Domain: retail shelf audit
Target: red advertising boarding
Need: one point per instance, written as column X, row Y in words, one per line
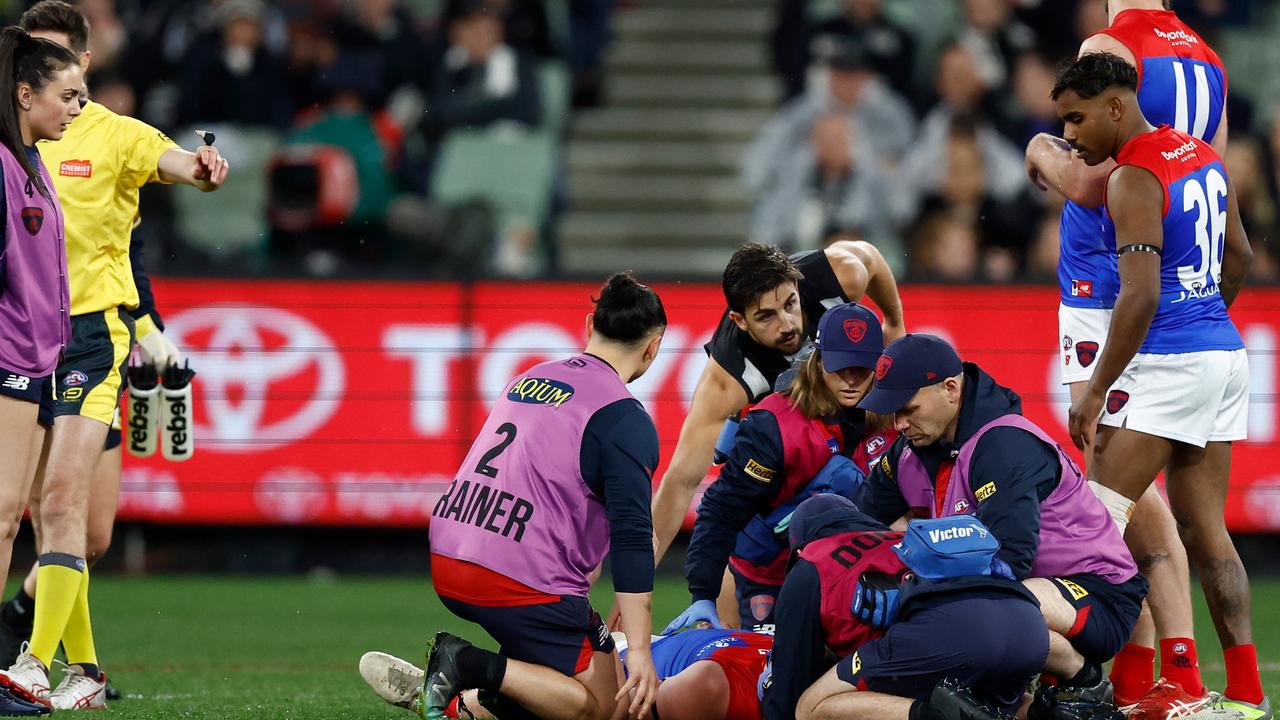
column 353, row 403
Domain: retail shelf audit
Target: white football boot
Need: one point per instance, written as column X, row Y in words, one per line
column 397, row 681
column 27, row 678
column 78, row 691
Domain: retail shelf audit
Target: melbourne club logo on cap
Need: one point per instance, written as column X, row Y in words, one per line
column 855, row 330
column 882, row 366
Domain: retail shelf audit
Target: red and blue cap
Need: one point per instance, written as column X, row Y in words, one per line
column 909, row 363
column 849, row 336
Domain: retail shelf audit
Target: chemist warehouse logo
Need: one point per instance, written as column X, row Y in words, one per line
column 540, row 391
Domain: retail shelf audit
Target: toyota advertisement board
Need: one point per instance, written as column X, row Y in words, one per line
column 345, row 403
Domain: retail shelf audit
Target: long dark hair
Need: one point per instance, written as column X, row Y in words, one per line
column 34, row 61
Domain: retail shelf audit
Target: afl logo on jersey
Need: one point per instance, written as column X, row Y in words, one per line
column 32, row 219
column 540, row 391
column 875, row 445
column 855, row 330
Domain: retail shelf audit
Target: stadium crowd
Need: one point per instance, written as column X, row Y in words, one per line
column 869, row 106
column 918, row 147
column 380, row 84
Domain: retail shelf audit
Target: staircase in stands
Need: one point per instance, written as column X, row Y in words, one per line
column 653, row 175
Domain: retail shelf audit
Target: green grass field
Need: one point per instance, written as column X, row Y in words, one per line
column 232, row 648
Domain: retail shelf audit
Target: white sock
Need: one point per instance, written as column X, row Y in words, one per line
column 1120, row 507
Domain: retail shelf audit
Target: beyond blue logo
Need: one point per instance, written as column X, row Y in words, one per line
column 540, row 391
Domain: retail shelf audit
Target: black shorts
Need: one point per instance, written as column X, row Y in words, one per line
column 755, row 602
column 114, row 436
column 1105, row 613
column 993, row 642
column 38, row 390
column 90, row 379
column 560, row 635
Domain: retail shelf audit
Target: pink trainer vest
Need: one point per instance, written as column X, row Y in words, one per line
column 35, row 321
column 519, row 505
column 1077, row 534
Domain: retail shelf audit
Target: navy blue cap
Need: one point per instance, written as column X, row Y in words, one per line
column 849, row 336
column 817, row 511
column 908, row 364
column 824, row 515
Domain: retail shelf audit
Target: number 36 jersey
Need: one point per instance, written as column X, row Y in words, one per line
column 1192, row 316
column 1181, row 83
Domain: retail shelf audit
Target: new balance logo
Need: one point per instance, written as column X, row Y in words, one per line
column 16, row 382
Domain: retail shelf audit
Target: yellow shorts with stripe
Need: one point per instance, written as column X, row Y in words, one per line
column 90, row 379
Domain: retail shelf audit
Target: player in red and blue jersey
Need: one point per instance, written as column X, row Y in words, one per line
column 709, row 674
column 1181, row 83
column 1173, row 378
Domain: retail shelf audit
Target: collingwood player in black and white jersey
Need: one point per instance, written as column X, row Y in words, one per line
column 774, row 303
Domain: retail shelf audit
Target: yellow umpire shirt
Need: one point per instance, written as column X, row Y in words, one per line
column 97, row 167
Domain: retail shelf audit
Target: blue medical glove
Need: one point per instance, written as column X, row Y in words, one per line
column 766, row 678
column 699, row 611
column 1000, row 568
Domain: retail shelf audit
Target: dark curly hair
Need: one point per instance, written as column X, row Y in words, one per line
column 1088, row 75
column 754, row 270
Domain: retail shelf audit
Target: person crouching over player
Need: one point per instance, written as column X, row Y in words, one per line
column 560, row 473
column 774, row 304
column 807, row 439
column 959, row 616
column 967, row 450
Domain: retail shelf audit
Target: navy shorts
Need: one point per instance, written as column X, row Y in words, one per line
column 755, row 602
column 1105, row 613
column 38, row 390
column 560, row 635
column 114, row 437
column 991, row 641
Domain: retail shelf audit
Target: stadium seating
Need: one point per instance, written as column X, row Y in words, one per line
column 234, row 219
column 510, row 169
